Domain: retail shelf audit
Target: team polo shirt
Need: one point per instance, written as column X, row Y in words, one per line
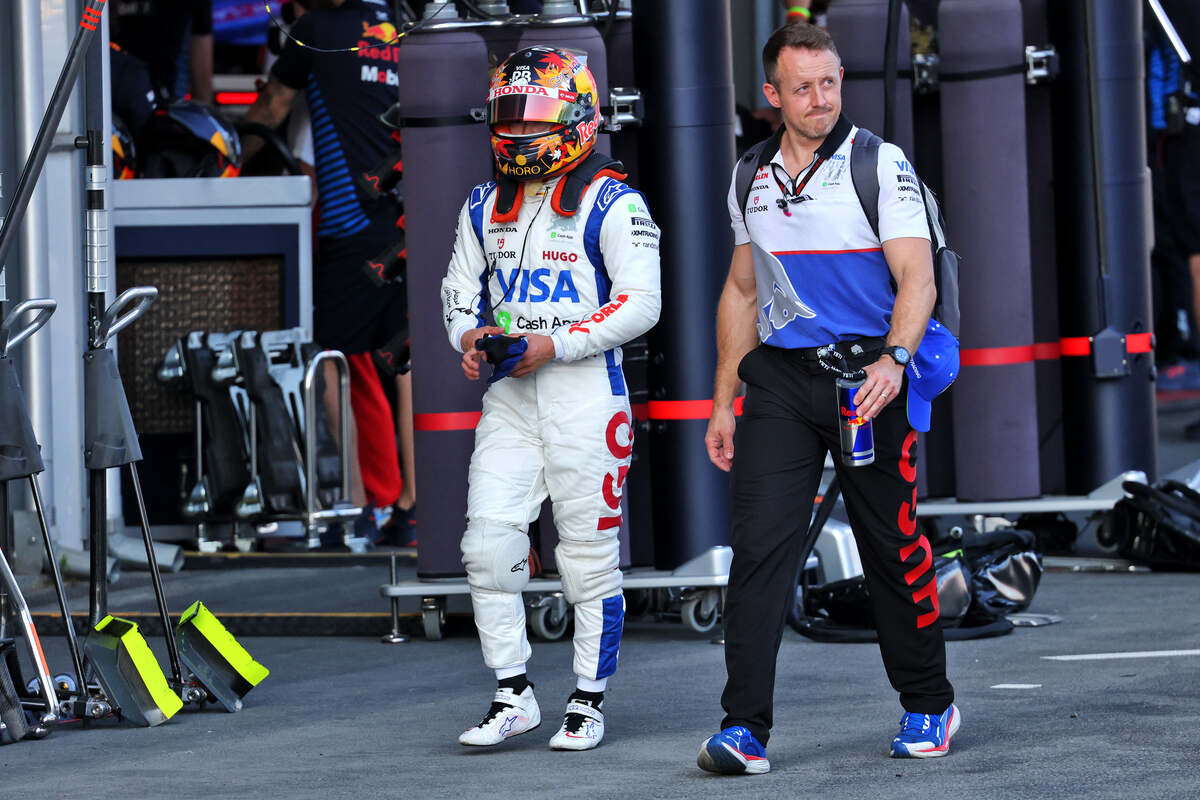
column 819, row 271
column 346, row 93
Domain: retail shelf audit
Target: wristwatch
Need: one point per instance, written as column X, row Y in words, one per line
column 899, row 354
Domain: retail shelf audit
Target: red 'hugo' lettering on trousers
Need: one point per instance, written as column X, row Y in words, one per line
column 612, row 486
column 922, row 543
column 929, row 590
column 907, row 520
column 908, row 466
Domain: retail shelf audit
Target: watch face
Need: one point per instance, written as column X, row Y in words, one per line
column 900, row 355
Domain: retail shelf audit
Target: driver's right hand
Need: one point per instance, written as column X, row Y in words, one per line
column 472, row 358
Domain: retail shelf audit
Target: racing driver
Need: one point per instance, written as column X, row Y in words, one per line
column 555, row 266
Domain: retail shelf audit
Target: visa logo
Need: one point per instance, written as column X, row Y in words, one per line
column 904, row 166
column 533, row 286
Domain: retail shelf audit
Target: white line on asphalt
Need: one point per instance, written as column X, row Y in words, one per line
column 1109, row 656
column 1017, row 686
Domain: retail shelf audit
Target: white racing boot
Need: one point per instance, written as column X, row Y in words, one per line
column 509, row 715
column 582, row 728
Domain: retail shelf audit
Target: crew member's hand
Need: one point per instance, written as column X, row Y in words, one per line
column 719, row 438
column 884, row 379
column 540, row 350
column 473, row 358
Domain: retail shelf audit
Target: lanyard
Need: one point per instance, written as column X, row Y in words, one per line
column 795, row 195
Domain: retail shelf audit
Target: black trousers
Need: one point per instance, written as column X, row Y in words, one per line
column 789, row 421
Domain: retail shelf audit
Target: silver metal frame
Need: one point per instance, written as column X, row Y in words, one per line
column 115, row 321
column 312, row 516
column 45, row 308
column 31, row 641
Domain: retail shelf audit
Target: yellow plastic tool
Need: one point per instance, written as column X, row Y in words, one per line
column 219, row 662
column 130, row 673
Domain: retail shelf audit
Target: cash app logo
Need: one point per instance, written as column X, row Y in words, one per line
column 504, row 320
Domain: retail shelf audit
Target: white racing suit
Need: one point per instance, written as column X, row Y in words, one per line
column 590, row 281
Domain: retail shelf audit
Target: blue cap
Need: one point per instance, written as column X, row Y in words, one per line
column 930, row 372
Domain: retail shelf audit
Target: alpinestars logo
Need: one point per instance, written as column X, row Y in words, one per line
column 520, row 565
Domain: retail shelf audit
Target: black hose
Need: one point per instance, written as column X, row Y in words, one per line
column 613, row 7
column 889, row 70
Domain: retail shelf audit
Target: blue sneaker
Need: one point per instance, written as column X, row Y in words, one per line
column 926, row 735
column 733, row 751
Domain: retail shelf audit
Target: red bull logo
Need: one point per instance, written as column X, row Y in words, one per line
column 381, row 32
column 850, row 418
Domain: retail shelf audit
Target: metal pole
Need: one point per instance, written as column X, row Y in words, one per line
column 25, row 622
column 97, row 547
column 88, row 24
column 96, row 250
column 52, row 557
column 3, row 288
column 156, row 579
column 395, row 637
column 6, row 545
column 1168, row 28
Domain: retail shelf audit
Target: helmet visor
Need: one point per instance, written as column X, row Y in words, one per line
column 530, row 104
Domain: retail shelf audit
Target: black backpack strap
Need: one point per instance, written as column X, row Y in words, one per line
column 864, row 172
column 757, row 156
column 744, row 175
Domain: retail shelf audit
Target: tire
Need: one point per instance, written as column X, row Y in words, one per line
column 433, row 619
column 701, row 611
column 547, row 623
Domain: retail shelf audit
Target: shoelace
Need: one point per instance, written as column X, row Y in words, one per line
column 496, row 709
column 914, row 724
column 575, row 721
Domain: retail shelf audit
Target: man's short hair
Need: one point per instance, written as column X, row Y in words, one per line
column 795, row 34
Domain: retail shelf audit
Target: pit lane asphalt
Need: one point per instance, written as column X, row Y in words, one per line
column 353, row 718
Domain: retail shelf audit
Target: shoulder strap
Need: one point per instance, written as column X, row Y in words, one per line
column 569, row 192
column 749, row 164
column 864, row 172
column 508, row 199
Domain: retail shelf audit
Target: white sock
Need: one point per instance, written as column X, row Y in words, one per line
column 510, row 672
column 589, row 685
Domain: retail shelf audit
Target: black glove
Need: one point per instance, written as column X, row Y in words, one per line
column 503, row 353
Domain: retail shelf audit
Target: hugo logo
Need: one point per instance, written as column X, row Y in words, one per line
column 550, row 255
